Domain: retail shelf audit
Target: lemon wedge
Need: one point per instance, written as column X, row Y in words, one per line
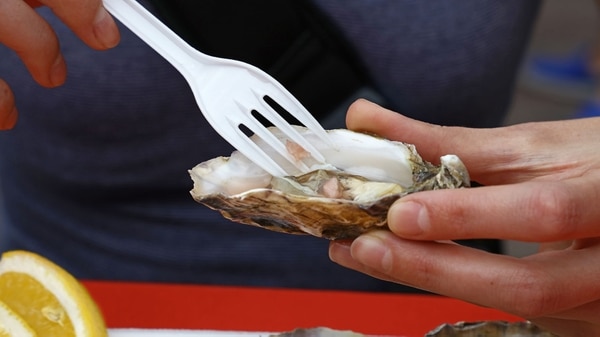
column 12, row 325
column 49, row 299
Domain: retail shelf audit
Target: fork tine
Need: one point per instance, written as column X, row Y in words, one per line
column 288, row 102
column 274, row 117
column 268, row 137
column 277, row 145
column 252, row 151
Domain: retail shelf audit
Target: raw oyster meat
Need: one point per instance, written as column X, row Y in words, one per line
column 342, row 198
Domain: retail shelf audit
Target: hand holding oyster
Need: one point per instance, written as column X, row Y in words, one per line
column 342, row 198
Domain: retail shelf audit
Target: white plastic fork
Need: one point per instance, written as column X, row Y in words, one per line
column 227, row 91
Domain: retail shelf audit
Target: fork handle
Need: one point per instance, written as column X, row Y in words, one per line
column 158, row 36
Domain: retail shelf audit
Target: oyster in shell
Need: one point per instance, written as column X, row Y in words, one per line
column 342, row 198
column 489, row 328
column 318, row 332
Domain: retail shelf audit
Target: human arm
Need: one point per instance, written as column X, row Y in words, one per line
column 32, row 38
column 542, row 184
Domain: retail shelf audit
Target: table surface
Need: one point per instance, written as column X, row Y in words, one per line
column 199, row 307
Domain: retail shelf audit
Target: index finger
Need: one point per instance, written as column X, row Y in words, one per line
column 88, row 20
column 479, row 150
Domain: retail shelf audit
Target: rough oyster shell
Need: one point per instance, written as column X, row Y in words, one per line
column 489, row 328
column 318, row 332
column 343, row 198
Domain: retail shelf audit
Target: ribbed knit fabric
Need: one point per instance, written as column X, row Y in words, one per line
column 446, row 62
column 94, row 175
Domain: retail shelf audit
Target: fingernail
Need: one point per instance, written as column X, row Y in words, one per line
column 58, row 72
column 105, row 29
column 408, row 218
column 372, row 251
column 337, row 249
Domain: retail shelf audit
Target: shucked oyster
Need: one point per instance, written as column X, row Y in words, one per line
column 343, row 198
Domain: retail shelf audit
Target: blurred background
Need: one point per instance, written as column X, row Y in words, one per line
column 561, row 28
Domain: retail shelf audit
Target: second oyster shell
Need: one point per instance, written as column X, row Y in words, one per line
column 490, row 329
column 343, row 198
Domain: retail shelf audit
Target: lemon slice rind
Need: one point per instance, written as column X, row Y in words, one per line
column 84, row 314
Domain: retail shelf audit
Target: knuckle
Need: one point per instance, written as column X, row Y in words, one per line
column 533, row 294
column 555, row 208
